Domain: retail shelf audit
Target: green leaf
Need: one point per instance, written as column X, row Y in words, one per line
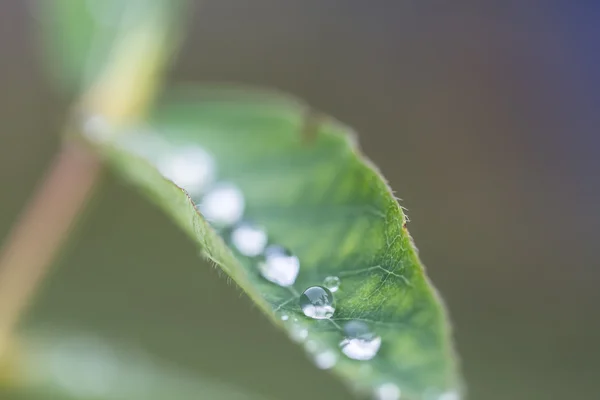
column 54, row 365
column 80, row 36
column 305, row 181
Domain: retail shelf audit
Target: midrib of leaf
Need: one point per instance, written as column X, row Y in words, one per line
column 328, row 204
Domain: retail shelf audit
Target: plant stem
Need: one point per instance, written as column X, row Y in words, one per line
column 41, row 230
column 121, row 94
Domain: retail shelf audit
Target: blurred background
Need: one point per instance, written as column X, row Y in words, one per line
column 484, row 117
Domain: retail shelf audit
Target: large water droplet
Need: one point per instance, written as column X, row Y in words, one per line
column 190, row 168
column 279, row 266
column 357, row 329
column 317, row 302
column 223, row 205
column 249, row 239
column 387, row 391
column 325, row 359
column 360, row 342
column 332, row 283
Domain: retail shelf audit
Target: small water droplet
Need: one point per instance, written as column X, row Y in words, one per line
column 311, row 346
column 387, row 391
column 317, row 302
column 360, row 342
column 332, row 283
column 279, row 266
column 223, row 205
column 249, row 239
column 190, row 168
column 325, row 359
column 285, row 317
column 298, row 333
column 145, row 144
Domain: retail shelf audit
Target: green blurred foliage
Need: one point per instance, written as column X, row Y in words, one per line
column 79, row 36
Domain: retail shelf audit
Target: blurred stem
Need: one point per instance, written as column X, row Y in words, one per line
column 121, row 93
column 41, row 231
column 127, row 85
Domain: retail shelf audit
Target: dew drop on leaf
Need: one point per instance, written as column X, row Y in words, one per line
column 332, row 283
column 249, row 239
column 279, row 266
column 223, row 205
column 311, row 346
column 298, row 334
column 357, row 329
column 360, row 342
column 317, row 302
column 325, row 359
column 190, row 168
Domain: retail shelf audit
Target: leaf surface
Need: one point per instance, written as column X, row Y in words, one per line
column 304, row 181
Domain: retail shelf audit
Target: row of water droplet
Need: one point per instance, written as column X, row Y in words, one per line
column 222, row 204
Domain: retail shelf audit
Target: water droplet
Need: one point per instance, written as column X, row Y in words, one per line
column 279, row 266
column 317, row 302
column 223, row 205
column 249, row 239
column 311, row 346
column 285, row 317
column 360, row 342
column 332, row 283
column 298, row 333
column 387, row 391
column 190, row 168
column 357, row 329
column 325, row 359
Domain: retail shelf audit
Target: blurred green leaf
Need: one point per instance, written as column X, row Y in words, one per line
column 68, row 366
column 305, row 181
column 79, row 36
